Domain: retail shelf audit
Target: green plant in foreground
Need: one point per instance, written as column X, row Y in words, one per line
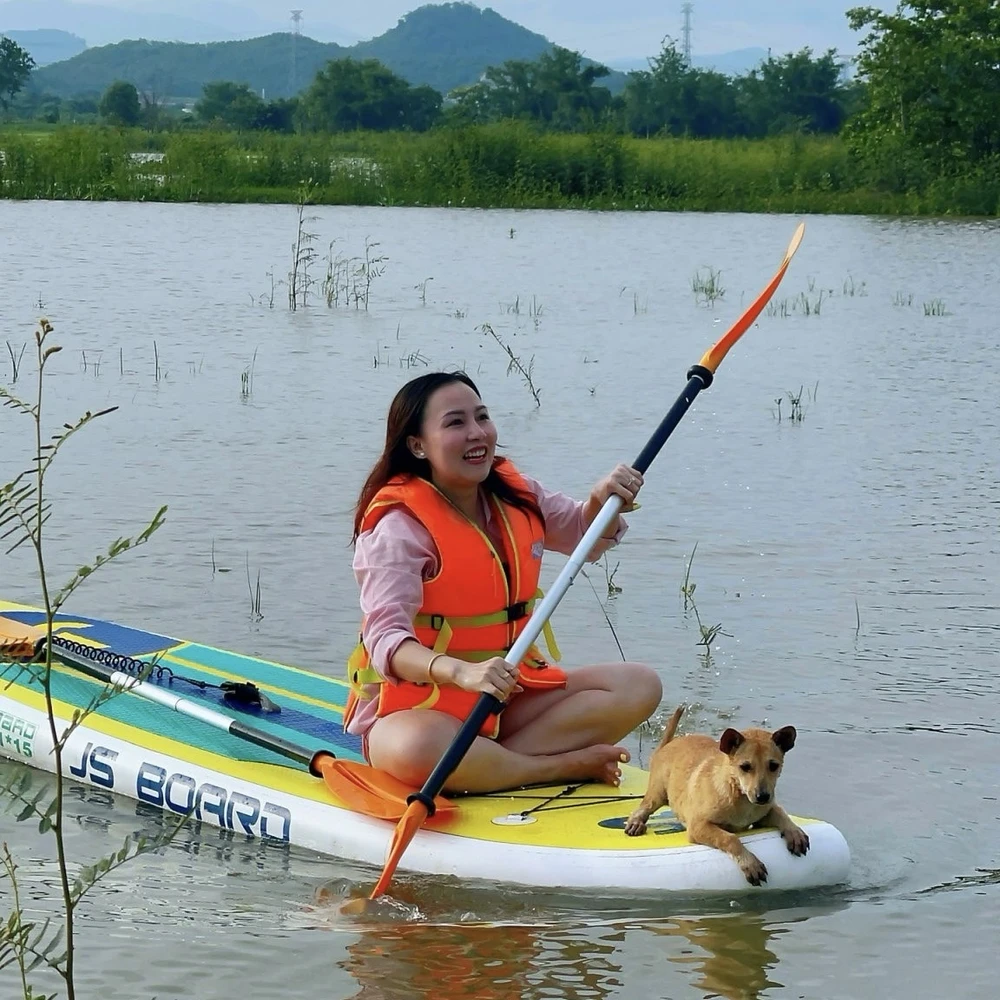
column 24, row 511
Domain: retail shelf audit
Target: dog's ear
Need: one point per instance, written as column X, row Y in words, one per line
column 785, row 738
column 731, row 740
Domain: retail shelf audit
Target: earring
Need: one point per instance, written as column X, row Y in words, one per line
column 419, row 454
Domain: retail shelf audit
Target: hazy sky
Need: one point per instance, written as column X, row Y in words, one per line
column 601, row 29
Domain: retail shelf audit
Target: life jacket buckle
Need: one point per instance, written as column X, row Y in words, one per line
column 515, row 612
column 437, row 622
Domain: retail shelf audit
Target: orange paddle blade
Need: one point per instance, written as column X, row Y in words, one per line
column 17, row 641
column 406, row 830
column 370, row 791
column 714, row 355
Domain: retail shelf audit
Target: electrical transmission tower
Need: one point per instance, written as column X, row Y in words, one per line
column 296, row 32
column 686, row 9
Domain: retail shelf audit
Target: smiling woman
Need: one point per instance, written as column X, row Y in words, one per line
column 449, row 539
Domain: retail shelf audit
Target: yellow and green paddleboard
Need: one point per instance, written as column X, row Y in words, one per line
column 568, row 836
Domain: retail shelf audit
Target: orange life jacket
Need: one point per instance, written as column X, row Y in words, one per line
column 474, row 607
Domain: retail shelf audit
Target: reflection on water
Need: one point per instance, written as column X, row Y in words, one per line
column 412, row 947
column 491, row 963
column 730, row 956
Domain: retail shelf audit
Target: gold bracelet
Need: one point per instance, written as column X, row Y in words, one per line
column 430, row 666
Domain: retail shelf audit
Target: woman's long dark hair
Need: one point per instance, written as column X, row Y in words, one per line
column 406, row 419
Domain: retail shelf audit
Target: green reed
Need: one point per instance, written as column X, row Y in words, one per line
column 510, row 164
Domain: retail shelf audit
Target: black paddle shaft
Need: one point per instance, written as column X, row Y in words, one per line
column 699, row 378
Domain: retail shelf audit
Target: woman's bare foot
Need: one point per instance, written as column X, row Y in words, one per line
column 597, row 763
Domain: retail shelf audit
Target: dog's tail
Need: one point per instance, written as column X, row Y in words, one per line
column 671, row 729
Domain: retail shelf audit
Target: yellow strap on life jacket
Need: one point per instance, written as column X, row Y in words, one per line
column 470, row 621
column 447, row 626
column 360, row 672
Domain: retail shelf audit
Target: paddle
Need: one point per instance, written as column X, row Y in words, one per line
column 349, row 781
column 421, row 804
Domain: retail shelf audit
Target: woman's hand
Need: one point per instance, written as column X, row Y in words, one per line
column 494, row 676
column 623, row 481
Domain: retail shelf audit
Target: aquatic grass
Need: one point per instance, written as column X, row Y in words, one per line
column 795, row 402
column 304, row 254
column 609, row 576
column 935, row 307
column 708, row 633
column 851, row 288
column 15, row 361
column 255, row 606
column 349, row 279
column 526, row 371
column 902, row 299
column 422, row 288
column 708, row 286
column 91, row 363
column 246, row 377
column 809, row 306
column 638, row 306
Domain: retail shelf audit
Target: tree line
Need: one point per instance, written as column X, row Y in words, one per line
column 557, row 92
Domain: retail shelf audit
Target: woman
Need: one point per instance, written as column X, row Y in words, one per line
column 448, row 543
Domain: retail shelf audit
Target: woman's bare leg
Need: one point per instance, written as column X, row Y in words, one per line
column 409, row 744
column 599, row 705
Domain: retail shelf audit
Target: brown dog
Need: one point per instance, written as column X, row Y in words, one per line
column 719, row 789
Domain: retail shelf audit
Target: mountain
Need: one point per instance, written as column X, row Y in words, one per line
column 450, row 44
column 48, row 45
column 180, row 20
column 444, row 46
column 181, row 69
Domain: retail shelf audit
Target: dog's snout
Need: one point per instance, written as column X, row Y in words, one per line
column 763, row 796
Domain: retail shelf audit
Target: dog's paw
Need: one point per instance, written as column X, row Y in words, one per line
column 753, row 868
column 635, row 825
column 797, row 840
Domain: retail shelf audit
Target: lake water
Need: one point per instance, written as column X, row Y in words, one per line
column 851, row 559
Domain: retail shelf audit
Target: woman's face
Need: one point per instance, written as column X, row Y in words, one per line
column 457, row 437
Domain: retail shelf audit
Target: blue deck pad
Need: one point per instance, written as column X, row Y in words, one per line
column 296, row 718
column 120, row 638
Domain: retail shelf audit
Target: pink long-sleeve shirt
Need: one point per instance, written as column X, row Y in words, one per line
column 393, row 559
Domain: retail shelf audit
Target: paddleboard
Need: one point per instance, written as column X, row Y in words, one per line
column 566, row 835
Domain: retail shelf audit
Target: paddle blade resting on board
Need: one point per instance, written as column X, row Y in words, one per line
column 368, row 790
column 17, row 641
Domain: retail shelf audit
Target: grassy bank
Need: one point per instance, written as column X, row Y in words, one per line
column 493, row 166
